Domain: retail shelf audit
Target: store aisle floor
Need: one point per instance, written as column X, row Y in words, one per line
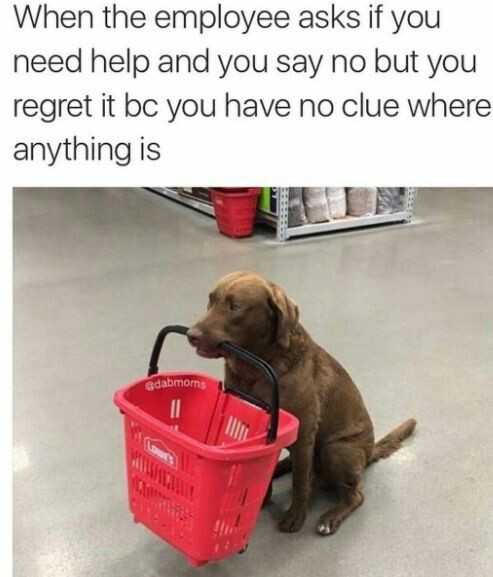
column 408, row 310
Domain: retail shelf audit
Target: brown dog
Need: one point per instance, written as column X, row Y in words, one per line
column 336, row 441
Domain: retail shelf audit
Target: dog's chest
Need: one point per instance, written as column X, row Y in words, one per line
column 242, row 377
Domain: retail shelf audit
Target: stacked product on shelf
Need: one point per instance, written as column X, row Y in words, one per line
column 316, row 205
column 323, row 204
column 389, row 200
column 361, row 201
column 296, row 210
column 336, row 198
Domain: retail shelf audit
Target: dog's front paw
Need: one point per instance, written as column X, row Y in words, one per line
column 292, row 520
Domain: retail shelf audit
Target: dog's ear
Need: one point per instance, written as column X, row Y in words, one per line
column 287, row 314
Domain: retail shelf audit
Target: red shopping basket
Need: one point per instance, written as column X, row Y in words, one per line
column 235, row 210
column 200, row 458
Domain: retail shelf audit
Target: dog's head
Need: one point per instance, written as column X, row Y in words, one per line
column 248, row 311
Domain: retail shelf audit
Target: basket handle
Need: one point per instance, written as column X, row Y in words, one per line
column 244, row 355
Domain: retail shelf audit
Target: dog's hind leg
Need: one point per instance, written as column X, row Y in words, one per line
column 351, row 499
column 343, row 466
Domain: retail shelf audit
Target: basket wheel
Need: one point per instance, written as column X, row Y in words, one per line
column 241, row 551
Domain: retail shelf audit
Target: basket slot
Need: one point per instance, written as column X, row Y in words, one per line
column 135, row 431
column 175, row 408
column 156, row 509
column 234, row 475
column 229, row 532
column 244, row 496
column 226, row 527
column 161, row 477
column 236, row 420
column 236, row 429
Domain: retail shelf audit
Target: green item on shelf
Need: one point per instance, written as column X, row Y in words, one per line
column 264, row 202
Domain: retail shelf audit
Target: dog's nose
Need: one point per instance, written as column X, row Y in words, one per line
column 194, row 336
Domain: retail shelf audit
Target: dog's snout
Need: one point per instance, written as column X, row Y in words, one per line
column 194, row 335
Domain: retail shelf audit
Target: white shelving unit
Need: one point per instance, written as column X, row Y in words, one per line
column 200, row 205
column 280, row 222
column 285, row 232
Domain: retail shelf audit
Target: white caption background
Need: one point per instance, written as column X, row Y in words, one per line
column 276, row 151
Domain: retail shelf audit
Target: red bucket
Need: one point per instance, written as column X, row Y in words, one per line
column 235, row 210
column 200, row 458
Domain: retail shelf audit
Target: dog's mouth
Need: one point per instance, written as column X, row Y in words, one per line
column 209, row 348
column 208, row 352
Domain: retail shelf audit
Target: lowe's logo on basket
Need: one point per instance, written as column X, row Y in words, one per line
column 179, row 382
column 158, row 449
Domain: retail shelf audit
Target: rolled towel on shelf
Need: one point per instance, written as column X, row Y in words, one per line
column 362, row 201
column 296, row 208
column 336, row 199
column 389, row 200
column 316, row 205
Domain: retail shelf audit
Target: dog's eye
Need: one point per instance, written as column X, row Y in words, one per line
column 234, row 306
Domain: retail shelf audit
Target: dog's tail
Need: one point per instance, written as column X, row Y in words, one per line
column 392, row 442
column 383, row 448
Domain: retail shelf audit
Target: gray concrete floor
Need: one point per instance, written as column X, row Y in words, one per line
column 408, row 310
